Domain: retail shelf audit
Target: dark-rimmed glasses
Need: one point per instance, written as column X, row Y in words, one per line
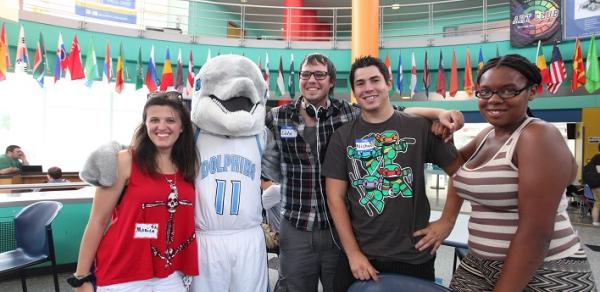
column 173, row 95
column 319, row 75
column 504, row 93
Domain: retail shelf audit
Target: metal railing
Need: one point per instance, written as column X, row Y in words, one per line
column 204, row 21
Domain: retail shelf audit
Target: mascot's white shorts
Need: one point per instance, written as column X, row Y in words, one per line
column 232, row 261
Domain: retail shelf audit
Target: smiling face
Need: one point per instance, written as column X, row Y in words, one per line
column 505, row 113
column 315, row 91
column 371, row 89
column 163, row 126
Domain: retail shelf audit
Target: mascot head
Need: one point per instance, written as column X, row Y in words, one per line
column 231, row 101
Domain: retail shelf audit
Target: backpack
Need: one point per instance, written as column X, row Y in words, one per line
column 590, row 175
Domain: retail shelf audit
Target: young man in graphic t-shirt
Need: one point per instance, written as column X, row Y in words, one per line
column 375, row 165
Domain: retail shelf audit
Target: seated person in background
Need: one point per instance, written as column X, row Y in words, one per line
column 12, row 160
column 55, row 175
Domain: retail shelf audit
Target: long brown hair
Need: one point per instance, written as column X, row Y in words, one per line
column 183, row 154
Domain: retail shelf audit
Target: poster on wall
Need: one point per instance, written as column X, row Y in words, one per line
column 121, row 11
column 533, row 20
column 582, row 18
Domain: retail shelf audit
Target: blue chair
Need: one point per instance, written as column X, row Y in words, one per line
column 33, row 233
column 459, row 254
column 588, row 199
column 396, row 283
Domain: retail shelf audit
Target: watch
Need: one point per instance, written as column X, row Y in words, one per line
column 76, row 281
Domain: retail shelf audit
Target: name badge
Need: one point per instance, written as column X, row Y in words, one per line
column 364, row 144
column 288, row 132
column 146, row 230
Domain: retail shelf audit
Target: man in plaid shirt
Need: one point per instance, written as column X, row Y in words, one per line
column 298, row 135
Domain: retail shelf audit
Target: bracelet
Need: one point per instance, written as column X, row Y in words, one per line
column 81, row 277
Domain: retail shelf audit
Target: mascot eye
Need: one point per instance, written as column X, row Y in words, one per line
column 198, row 84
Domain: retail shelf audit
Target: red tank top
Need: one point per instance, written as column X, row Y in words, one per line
column 151, row 233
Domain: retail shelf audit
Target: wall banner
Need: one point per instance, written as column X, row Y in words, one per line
column 122, row 11
column 533, row 20
column 582, row 18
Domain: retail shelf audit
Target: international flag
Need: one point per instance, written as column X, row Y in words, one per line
column 167, row 73
column 75, row 64
column 468, row 82
column 266, row 74
column 497, row 51
column 39, row 61
column 21, row 59
column 540, row 62
column 151, row 80
column 453, row 76
column 413, row 76
column 259, row 64
column 107, row 75
column 441, row 78
column 480, row 64
column 189, row 84
column 280, row 78
column 208, row 57
column 558, row 72
column 592, row 72
column 179, row 74
column 91, row 65
column 4, row 57
column 578, row 76
column 426, row 75
column 62, row 62
column 4, row 54
column 120, row 78
column 292, row 79
column 388, row 64
column 139, row 71
column 399, row 75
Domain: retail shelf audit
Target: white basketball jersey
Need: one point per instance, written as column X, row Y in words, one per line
column 228, row 193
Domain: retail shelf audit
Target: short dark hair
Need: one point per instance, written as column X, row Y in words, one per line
column 317, row 58
column 516, row 62
column 183, row 154
column 366, row 61
column 11, row 148
column 55, row 172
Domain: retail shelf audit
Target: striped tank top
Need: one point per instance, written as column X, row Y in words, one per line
column 492, row 189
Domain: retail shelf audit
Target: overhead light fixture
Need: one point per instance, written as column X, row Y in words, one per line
column 243, row 1
column 396, row 6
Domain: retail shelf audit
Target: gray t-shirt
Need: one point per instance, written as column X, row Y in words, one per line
column 383, row 164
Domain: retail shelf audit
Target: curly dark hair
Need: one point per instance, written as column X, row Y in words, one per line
column 183, row 155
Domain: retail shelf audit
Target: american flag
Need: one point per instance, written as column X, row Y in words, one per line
column 557, row 70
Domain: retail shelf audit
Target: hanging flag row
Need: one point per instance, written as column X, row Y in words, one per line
column 587, row 75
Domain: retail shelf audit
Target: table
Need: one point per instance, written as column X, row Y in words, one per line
column 459, row 237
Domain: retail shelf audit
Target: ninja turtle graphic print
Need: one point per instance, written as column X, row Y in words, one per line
column 383, row 164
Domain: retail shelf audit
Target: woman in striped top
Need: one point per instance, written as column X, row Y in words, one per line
column 520, row 236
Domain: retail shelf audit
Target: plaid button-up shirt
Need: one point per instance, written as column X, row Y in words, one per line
column 288, row 159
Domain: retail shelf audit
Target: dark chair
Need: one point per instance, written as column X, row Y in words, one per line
column 33, row 233
column 396, row 283
column 459, row 254
column 588, row 199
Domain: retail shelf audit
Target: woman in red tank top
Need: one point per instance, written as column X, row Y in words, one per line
column 150, row 241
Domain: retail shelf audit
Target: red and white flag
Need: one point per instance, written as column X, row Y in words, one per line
column 189, row 84
column 558, row 73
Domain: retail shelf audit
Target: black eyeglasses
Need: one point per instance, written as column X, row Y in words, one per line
column 174, row 95
column 504, row 93
column 319, row 75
